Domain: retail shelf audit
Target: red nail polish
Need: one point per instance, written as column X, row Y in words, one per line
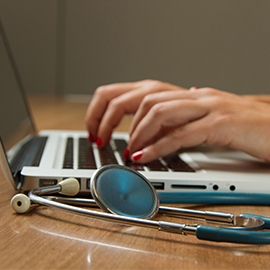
column 126, row 154
column 90, row 138
column 98, row 141
column 137, row 155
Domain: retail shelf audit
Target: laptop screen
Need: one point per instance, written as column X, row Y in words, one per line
column 15, row 121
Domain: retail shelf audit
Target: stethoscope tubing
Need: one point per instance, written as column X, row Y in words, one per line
column 216, row 234
column 202, row 232
column 258, row 222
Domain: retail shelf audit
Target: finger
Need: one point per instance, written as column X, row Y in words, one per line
column 191, row 134
column 167, row 114
column 150, row 100
column 98, row 105
column 124, row 104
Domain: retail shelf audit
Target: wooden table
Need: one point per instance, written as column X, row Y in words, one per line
column 49, row 239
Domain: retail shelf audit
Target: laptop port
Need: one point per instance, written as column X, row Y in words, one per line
column 188, row 186
column 158, row 185
column 47, row 182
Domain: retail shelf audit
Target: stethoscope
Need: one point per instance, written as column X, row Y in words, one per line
column 127, row 197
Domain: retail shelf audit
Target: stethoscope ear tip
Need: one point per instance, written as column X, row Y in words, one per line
column 20, row 203
column 69, row 187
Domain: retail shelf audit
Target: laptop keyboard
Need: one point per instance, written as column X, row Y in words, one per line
column 86, row 157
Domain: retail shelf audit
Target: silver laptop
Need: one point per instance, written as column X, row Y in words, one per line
column 196, row 175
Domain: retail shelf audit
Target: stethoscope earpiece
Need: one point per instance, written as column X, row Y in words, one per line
column 69, row 187
column 20, row 203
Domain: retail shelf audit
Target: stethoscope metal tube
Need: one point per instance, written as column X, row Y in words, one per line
column 118, row 197
column 247, row 222
column 159, row 225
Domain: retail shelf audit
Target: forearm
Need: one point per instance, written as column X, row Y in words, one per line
column 261, row 98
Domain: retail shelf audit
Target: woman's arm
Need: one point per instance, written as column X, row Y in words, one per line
column 262, row 98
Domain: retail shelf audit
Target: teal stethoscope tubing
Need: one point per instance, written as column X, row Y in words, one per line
column 216, row 234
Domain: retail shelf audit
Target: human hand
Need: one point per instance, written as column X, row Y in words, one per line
column 165, row 122
column 111, row 102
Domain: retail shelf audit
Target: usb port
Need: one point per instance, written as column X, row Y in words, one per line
column 158, row 185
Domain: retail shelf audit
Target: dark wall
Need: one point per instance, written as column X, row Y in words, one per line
column 75, row 46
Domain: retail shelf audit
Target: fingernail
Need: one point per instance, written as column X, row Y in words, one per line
column 193, row 88
column 90, row 138
column 137, row 155
column 98, row 141
column 126, row 154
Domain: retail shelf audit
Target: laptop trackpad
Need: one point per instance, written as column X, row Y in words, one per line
column 227, row 160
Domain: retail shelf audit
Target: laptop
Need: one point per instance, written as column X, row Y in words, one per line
column 196, row 175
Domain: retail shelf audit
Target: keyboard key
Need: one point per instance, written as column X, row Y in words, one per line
column 134, row 166
column 121, row 146
column 156, row 165
column 176, row 164
column 86, row 155
column 106, row 155
column 68, row 159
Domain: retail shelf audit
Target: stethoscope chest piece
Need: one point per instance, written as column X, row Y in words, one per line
column 121, row 190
